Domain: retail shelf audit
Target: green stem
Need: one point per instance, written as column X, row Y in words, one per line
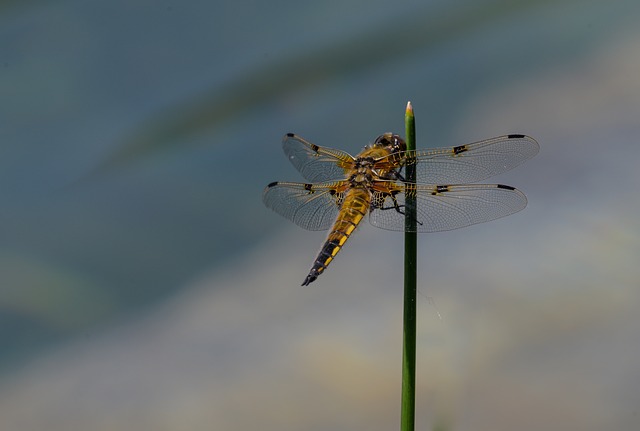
column 407, row 413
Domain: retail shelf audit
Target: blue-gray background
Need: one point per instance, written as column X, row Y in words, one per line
column 144, row 286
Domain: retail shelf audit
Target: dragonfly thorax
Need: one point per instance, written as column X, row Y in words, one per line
column 363, row 174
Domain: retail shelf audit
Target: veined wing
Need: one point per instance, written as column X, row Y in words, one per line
column 473, row 162
column 310, row 206
column 315, row 163
column 445, row 207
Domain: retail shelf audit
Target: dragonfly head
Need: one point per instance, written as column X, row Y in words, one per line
column 390, row 142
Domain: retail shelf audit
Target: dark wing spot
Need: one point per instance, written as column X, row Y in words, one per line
column 308, row 187
column 314, row 147
column 440, row 190
column 502, row 186
column 290, row 135
column 273, row 184
column 515, row 136
column 459, row 149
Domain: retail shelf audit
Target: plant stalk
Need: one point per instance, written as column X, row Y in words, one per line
column 407, row 412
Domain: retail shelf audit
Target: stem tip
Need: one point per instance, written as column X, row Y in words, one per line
column 409, row 108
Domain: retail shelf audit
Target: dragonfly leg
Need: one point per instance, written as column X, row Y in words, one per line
column 394, row 175
column 398, row 175
column 395, row 206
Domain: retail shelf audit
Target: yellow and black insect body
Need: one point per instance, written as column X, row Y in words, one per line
column 344, row 189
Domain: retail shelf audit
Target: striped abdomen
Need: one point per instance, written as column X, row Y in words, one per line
column 354, row 207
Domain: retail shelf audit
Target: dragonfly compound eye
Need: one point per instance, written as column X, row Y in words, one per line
column 392, row 142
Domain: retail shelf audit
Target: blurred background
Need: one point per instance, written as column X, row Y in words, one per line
column 144, row 286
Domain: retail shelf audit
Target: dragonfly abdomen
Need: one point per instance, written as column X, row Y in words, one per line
column 354, row 207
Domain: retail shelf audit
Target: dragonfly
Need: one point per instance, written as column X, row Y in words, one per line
column 343, row 190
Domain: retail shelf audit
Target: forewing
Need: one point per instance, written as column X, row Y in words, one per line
column 310, row 206
column 473, row 162
column 315, row 163
column 441, row 208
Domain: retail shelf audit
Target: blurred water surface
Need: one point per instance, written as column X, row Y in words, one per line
column 136, row 138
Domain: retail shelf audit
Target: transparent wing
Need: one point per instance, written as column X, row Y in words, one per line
column 473, row 162
column 441, row 208
column 310, row 206
column 315, row 163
